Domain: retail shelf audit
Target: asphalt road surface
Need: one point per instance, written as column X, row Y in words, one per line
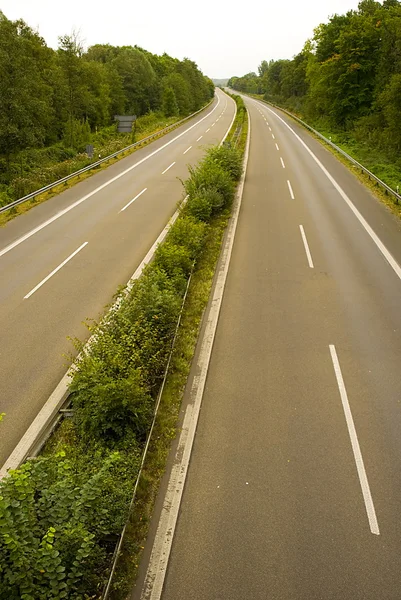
column 294, row 486
column 99, row 231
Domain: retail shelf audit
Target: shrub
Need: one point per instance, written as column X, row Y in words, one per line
column 228, row 158
column 205, row 204
column 188, row 232
column 210, row 175
column 55, row 516
column 110, row 408
column 59, row 514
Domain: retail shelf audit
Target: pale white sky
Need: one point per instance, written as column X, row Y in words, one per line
column 223, row 38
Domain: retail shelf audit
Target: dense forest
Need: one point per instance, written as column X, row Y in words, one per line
column 52, row 102
column 346, row 78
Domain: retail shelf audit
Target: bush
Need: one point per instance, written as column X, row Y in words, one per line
column 205, row 204
column 109, row 408
column 228, row 158
column 60, row 514
column 175, row 260
column 55, row 516
column 209, row 175
column 188, row 232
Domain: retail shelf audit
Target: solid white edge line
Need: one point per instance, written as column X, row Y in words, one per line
column 60, row 393
column 375, row 238
column 187, row 150
column 231, row 124
column 282, row 162
column 133, row 199
column 101, row 187
column 305, row 241
column 35, row 289
column 169, row 167
column 157, row 568
column 199, row 138
column 367, row 496
column 291, row 190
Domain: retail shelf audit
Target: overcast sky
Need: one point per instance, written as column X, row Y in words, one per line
column 223, row 38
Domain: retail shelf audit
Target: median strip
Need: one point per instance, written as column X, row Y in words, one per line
column 88, row 470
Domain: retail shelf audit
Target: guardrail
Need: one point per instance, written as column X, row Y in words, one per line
column 371, row 175
column 48, row 187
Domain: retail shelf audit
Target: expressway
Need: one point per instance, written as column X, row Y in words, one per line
column 293, row 490
column 62, row 262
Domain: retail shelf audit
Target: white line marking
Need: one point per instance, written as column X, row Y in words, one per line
column 305, row 241
column 133, row 199
column 158, row 563
column 387, row 255
column 231, row 124
column 165, row 170
column 214, row 124
column 101, row 187
column 367, row 496
column 187, row 150
column 55, row 401
column 282, row 162
column 273, row 136
column 270, row 128
column 55, row 271
column 290, row 188
column 277, row 147
column 199, row 138
column 207, row 130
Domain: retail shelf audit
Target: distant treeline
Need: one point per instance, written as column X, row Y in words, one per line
column 58, row 96
column 348, row 76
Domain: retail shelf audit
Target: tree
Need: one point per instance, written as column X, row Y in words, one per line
column 25, row 98
column 170, row 106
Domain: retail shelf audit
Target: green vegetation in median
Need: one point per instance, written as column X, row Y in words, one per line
column 346, row 83
column 61, row 513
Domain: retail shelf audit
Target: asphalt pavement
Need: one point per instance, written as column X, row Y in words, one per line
column 62, row 262
column 294, row 486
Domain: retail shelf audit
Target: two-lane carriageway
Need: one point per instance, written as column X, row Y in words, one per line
column 293, row 490
column 63, row 261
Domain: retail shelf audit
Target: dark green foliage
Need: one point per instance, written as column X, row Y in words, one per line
column 229, row 159
column 65, row 96
column 204, row 203
column 170, row 106
column 60, row 514
column 56, row 514
column 346, row 78
column 207, row 177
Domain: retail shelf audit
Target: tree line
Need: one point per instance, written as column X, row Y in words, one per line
column 51, row 96
column 348, row 76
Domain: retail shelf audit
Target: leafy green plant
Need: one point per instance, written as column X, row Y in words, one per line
column 60, row 514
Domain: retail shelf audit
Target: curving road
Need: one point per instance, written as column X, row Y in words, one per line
column 63, row 261
column 294, row 487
